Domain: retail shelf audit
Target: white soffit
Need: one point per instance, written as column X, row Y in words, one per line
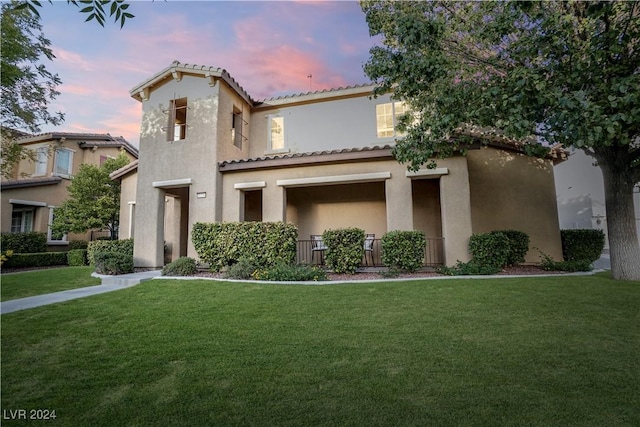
column 27, row 203
column 428, row 173
column 249, row 185
column 173, row 183
column 334, row 179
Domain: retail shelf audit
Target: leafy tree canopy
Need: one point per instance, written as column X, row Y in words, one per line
column 94, row 9
column 94, row 199
column 560, row 72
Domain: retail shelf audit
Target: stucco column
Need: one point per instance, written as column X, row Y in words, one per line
column 399, row 203
column 148, row 247
column 455, row 205
column 274, row 203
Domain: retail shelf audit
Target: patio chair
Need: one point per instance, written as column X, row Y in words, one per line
column 368, row 248
column 317, row 246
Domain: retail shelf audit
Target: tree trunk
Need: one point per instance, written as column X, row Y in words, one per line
column 621, row 223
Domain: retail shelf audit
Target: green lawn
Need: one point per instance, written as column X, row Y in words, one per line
column 561, row 351
column 38, row 282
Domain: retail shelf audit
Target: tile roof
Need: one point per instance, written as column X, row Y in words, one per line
column 30, row 182
column 119, row 173
column 85, row 140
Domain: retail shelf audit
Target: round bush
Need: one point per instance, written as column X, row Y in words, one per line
column 345, row 249
column 582, row 244
column 112, row 263
column 490, row 248
column 183, row 266
column 403, row 250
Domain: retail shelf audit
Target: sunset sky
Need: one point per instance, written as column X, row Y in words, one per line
column 269, row 47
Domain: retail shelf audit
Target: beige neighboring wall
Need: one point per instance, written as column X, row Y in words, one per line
column 510, row 190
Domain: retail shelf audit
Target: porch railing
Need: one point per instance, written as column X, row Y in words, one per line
column 433, row 256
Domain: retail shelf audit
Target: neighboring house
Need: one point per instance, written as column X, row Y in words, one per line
column 580, row 193
column 37, row 187
column 321, row 160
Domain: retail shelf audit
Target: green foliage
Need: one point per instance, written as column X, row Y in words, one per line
column 78, row 244
column 491, row 249
column 94, row 199
column 124, row 246
column 41, row 259
column 113, row 263
column 471, row 268
column 582, row 244
column 25, row 243
column 345, row 248
column 183, row 266
column 243, row 269
column 518, row 246
column 403, row 250
column 549, row 264
column 519, row 72
column 223, row 244
column 291, row 273
column 94, row 9
column 77, row 257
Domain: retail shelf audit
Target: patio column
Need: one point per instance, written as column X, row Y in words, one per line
column 274, row 202
column 399, row 203
column 455, row 205
column 148, row 248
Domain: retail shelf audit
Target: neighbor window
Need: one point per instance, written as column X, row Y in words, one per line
column 22, row 220
column 177, row 125
column 387, row 118
column 51, row 236
column 276, row 133
column 41, row 161
column 236, row 128
column 63, row 162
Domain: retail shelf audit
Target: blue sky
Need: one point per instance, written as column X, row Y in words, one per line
column 269, row 47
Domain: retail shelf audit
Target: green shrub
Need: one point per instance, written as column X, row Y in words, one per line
column 77, row 257
column 548, row 264
column 224, row 244
column 403, row 250
column 24, row 243
column 582, row 244
column 471, row 268
column 291, row 273
column 78, row 244
column 345, row 248
column 123, row 246
column 490, row 248
column 40, row 259
column 183, row 266
column 242, row 270
column 112, row 263
column 518, row 246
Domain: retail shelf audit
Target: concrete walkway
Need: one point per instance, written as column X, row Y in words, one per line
column 109, row 284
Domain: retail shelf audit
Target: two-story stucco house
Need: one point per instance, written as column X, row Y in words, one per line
column 37, row 187
column 322, row 160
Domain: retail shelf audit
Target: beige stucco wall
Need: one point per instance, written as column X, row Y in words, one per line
column 513, row 191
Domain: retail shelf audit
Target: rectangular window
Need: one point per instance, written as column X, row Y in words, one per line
column 22, row 220
column 42, row 154
column 63, row 162
column 276, row 133
column 387, row 118
column 51, row 236
column 177, row 125
column 236, row 128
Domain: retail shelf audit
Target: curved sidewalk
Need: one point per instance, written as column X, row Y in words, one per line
column 109, row 284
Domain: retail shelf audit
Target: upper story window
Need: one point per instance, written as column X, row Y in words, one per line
column 177, row 125
column 236, row 128
column 276, row 133
column 63, row 162
column 42, row 155
column 387, row 118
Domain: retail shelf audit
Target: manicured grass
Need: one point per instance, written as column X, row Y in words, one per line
column 531, row 351
column 38, row 282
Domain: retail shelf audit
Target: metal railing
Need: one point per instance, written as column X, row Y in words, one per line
column 433, row 256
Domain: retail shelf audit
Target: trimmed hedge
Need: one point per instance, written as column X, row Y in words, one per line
column 78, row 244
column 183, row 266
column 345, row 248
column 124, row 246
column 23, row 243
column 113, row 263
column 265, row 243
column 291, row 273
column 582, row 244
column 518, row 246
column 77, row 257
column 40, row 259
column 491, row 249
column 403, row 250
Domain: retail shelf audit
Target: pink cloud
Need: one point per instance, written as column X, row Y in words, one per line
column 72, row 60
